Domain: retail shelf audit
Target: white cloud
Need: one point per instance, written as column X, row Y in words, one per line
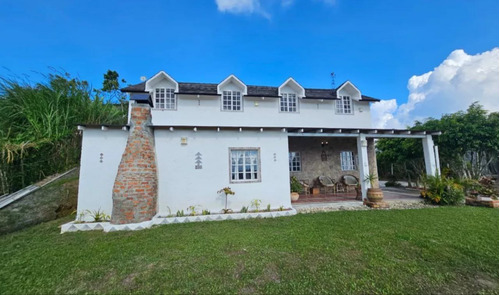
column 241, row 7
column 456, row 83
column 254, row 6
column 382, row 114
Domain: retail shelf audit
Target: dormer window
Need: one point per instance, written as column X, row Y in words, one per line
column 290, row 92
column 288, row 102
column 165, row 99
column 231, row 100
column 344, row 105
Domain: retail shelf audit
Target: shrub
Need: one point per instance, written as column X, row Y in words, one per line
column 392, row 183
column 443, row 191
column 295, row 185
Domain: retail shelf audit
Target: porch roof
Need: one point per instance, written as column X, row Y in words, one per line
column 297, row 132
column 353, row 132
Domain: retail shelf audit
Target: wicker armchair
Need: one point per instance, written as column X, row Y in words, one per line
column 350, row 182
column 327, row 184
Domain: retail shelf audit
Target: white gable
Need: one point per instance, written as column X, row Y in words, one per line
column 347, row 88
column 232, row 83
column 161, row 79
column 290, row 85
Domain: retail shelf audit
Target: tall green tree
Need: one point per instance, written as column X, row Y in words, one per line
column 468, row 146
column 111, row 86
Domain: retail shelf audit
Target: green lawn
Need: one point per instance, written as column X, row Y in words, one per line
column 444, row 250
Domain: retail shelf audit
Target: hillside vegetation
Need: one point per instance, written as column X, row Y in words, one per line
column 38, row 135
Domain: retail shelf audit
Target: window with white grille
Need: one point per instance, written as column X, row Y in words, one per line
column 294, row 162
column 231, row 101
column 165, row 99
column 347, row 161
column 288, row 102
column 245, row 164
column 344, row 105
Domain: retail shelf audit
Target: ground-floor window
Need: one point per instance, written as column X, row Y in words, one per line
column 294, row 162
column 347, row 161
column 245, row 164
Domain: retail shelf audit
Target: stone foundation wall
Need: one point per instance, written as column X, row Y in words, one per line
column 312, row 165
column 136, row 186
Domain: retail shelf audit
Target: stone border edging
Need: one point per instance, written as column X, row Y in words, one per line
column 108, row 227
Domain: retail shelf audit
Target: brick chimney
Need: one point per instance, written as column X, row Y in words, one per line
column 135, row 189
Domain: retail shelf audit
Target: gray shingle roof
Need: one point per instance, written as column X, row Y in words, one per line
column 135, row 88
column 267, row 91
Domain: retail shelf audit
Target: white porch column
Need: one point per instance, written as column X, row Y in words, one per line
column 436, row 155
column 364, row 169
column 430, row 159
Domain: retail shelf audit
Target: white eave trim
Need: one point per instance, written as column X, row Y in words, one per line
column 160, row 75
column 302, row 92
column 235, row 80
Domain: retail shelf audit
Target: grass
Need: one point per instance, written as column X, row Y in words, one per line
column 450, row 250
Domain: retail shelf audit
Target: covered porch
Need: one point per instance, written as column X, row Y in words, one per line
column 332, row 164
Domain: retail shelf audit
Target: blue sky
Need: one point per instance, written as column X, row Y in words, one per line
column 378, row 45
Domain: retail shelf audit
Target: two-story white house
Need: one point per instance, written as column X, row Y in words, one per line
column 203, row 137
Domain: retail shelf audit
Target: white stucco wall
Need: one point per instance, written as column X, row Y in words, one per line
column 181, row 185
column 96, row 178
column 206, row 111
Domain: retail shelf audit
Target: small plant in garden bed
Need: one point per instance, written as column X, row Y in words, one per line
column 192, row 210
column 180, row 213
column 244, row 209
column 98, row 215
column 256, row 204
column 205, row 212
column 268, row 208
column 227, row 191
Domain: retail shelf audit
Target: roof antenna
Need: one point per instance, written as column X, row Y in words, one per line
column 332, row 75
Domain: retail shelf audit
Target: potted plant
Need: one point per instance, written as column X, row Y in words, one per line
column 374, row 194
column 295, row 188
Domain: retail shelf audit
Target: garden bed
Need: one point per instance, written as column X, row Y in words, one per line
column 74, row 226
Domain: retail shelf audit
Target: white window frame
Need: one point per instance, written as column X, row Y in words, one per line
column 347, row 161
column 231, row 100
column 289, row 103
column 165, row 99
column 344, row 105
column 250, row 165
column 294, row 162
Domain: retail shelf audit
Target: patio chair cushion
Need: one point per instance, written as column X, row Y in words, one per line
column 350, row 180
column 326, row 181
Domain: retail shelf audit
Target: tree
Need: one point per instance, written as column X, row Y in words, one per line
column 468, row 146
column 111, row 86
